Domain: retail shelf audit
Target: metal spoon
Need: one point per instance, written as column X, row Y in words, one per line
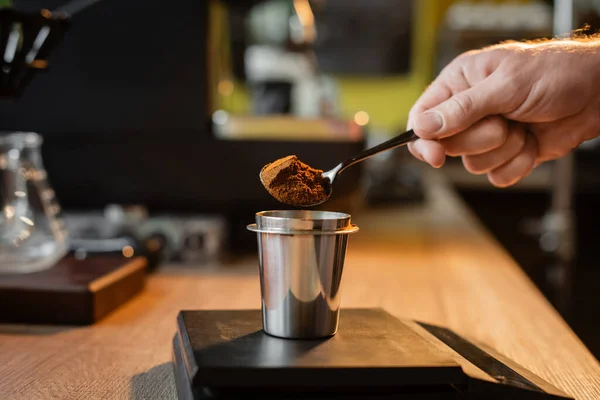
column 329, row 177
column 397, row 141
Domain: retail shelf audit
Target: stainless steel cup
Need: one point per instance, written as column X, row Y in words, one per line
column 301, row 259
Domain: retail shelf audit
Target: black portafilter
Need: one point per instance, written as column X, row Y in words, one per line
column 27, row 39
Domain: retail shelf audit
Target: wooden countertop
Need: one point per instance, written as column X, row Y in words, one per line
column 433, row 263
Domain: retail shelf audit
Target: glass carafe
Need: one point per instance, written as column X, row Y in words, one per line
column 33, row 235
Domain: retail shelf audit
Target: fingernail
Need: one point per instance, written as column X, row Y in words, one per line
column 429, row 122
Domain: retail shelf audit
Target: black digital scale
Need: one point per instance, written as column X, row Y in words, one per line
column 227, row 355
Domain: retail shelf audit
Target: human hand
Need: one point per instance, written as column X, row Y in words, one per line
column 507, row 108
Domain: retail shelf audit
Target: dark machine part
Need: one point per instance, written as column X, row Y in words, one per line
column 195, row 240
column 29, row 33
column 151, row 248
column 26, row 41
column 89, row 244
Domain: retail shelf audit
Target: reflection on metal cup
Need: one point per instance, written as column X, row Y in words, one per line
column 301, row 260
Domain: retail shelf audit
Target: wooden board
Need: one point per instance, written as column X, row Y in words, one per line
column 73, row 292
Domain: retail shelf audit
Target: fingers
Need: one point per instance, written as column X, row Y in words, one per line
column 484, row 136
column 456, row 116
column 462, row 110
column 517, row 168
column 435, row 94
column 451, row 80
column 509, row 163
column 483, row 163
column 505, row 165
column 429, row 151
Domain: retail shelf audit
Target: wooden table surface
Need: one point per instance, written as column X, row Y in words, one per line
column 433, row 263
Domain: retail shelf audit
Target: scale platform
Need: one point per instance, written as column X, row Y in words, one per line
column 226, row 355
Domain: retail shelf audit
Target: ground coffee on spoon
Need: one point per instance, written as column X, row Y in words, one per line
column 293, row 182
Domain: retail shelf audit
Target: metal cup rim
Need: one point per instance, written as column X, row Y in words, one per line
column 271, row 214
column 352, row 228
column 302, row 220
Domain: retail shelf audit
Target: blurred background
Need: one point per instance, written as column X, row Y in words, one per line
column 157, row 117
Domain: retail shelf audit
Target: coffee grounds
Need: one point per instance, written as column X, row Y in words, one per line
column 292, row 182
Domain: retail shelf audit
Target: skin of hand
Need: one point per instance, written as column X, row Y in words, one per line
column 507, row 108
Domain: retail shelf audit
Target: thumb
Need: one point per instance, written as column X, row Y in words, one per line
column 461, row 111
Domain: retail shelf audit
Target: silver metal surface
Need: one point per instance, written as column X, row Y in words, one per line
column 298, row 221
column 301, row 260
column 560, row 274
column 563, row 17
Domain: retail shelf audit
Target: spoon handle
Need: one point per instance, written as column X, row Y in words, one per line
column 394, row 142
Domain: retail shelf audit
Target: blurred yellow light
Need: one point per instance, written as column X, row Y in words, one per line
column 361, row 118
column 306, row 18
column 128, row 251
column 225, row 88
column 304, row 11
